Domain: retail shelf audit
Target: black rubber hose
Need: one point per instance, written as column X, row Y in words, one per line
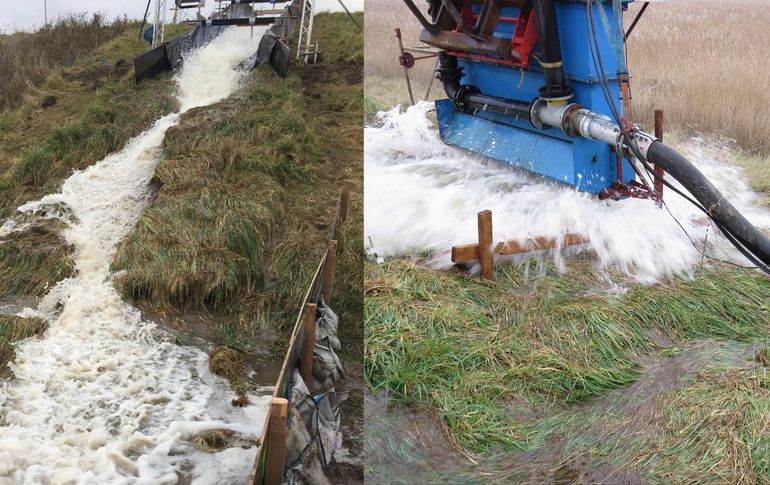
column 550, row 46
column 717, row 207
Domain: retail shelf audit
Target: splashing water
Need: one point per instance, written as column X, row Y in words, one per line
column 422, row 194
column 105, row 397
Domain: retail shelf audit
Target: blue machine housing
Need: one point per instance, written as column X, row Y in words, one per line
column 589, row 166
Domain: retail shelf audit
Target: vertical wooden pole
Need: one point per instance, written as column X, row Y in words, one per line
column 485, row 245
column 331, row 263
column 659, row 135
column 276, row 441
column 344, row 201
column 308, row 343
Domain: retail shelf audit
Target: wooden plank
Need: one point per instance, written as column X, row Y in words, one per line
column 331, row 262
column 308, row 343
column 485, row 245
column 257, row 469
column 467, row 253
column 276, row 441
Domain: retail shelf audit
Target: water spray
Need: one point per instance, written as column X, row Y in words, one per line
column 569, row 56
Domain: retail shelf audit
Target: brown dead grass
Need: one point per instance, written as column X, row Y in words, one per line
column 26, row 59
column 7, row 354
column 227, row 362
column 384, row 82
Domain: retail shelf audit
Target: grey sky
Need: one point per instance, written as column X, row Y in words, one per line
column 28, row 14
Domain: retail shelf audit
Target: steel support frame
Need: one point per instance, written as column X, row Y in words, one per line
column 305, row 47
column 159, row 28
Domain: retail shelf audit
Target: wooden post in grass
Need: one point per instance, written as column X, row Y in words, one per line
column 342, row 212
column 276, row 441
column 331, row 263
column 659, row 135
column 344, row 201
column 485, row 245
column 308, row 343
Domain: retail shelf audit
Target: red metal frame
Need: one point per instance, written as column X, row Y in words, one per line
column 633, row 190
column 522, row 42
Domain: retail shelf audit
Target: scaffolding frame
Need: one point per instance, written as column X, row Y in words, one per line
column 159, row 28
column 305, row 47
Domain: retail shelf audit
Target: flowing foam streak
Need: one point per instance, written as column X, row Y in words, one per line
column 104, row 397
column 421, row 194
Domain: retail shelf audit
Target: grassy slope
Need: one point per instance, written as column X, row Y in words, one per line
column 511, row 365
column 96, row 108
column 249, row 186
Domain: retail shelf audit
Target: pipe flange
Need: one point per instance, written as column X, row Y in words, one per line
column 566, row 121
column 559, row 97
column 461, row 95
column 534, row 113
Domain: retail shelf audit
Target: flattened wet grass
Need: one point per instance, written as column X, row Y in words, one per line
column 548, row 342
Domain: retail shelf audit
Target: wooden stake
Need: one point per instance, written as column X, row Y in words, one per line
column 344, row 201
column 308, row 343
column 331, row 263
column 276, row 441
column 467, row 253
column 659, row 135
column 485, row 245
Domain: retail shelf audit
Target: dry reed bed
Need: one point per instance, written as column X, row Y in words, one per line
column 26, row 59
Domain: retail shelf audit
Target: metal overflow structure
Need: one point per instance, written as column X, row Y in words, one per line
column 283, row 17
column 159, row 27
column 301, row 363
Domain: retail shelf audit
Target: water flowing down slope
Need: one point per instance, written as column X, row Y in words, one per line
column 104, row 396
column 422, row 194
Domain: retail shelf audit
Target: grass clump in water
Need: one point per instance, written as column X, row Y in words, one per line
column 13, row 329
column 227, row 362
column 34, row 259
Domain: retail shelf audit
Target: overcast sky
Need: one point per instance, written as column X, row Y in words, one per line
column 28, row 14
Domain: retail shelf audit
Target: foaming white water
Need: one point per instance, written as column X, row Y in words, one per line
column 422, row 194
column 105, row 397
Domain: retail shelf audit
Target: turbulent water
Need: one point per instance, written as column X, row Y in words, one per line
column 104, row 396
column 422, row 194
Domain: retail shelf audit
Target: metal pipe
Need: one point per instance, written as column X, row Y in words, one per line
column 246, row 21
column 468, row 98
column 578, row 121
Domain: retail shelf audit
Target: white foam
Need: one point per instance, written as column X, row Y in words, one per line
column 422, row 194
column 105, row 397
